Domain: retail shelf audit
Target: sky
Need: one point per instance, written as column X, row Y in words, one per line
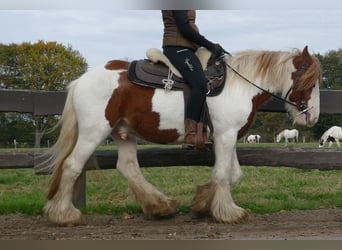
column 106, row 31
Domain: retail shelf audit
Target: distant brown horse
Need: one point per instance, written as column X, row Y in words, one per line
column 104, row 101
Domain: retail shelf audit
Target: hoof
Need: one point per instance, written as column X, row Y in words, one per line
column 202, row 201
column 162, row 211
column 234, row 216
column 66, row 218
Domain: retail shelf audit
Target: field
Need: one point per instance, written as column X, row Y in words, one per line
column 279, row 200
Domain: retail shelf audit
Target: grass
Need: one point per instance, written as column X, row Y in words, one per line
column 262, row 189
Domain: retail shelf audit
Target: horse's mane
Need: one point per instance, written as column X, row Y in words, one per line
column 264, row 66
column 311, row 75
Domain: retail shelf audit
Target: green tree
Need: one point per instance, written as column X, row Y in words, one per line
column 331, row 64
column 39, row 66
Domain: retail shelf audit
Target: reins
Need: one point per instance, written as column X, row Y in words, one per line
column 302, row 107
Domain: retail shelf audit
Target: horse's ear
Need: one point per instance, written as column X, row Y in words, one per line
column 306, row 51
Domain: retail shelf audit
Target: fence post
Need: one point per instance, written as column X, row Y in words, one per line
column 79, row 194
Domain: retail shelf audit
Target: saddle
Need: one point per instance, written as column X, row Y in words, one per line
column 158, row 72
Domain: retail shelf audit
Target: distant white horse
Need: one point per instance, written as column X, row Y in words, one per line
column 253, row 139
column 288, row 134
column 333, row 134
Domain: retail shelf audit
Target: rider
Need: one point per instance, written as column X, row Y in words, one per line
column 180, row 41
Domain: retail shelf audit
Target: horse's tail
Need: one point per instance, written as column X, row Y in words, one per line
column 65, row 142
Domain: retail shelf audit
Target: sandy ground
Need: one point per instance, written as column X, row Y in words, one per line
column 319, row 224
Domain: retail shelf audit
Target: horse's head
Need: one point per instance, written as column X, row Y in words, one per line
column 321, row 143
column 304, row 91
column 278, row 138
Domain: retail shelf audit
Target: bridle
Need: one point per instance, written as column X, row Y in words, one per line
column 302, row 107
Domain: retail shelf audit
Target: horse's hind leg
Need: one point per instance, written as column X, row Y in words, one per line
column 154, row 203
column 59, row 208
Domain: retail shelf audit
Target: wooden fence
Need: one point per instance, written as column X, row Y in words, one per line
column 51, row 103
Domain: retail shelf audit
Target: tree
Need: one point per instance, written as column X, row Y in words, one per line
column 331, row 64
column 39, row 66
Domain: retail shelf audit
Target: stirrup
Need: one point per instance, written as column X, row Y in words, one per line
column 188, row 146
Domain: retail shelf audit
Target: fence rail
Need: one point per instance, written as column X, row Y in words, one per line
column 52, row 102
column 303, row 158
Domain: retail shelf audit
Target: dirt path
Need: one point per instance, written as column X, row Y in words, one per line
column 312, row 224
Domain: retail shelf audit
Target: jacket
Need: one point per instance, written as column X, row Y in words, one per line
column 180, row 30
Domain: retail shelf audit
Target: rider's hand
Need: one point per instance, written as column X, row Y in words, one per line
column 217, row 51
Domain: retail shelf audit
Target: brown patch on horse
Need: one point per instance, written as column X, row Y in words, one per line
column 133, row 104
column 312, row 72
column 258, row 100
column 116, row 64
column 308, row 72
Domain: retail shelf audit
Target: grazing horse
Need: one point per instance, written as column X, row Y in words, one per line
column 288, row 134
column 333, row 134
column 104, row 101
column 253, row 139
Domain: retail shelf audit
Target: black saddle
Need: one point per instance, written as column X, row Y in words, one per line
column 157, row 75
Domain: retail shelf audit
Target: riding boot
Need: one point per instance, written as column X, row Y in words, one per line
column 190, row 134
column 193, row 135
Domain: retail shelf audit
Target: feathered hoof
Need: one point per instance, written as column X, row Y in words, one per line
column 66, row 218
column 202, row 201
column 163, row 210
column 233, row 216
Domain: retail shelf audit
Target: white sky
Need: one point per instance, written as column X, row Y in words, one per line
column 106, row 32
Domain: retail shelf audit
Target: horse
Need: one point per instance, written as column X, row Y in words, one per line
column 288, row 134
column 253, row 139
column 104, row 101
column 333, row 134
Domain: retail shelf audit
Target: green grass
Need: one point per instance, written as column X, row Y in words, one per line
column 262, row 189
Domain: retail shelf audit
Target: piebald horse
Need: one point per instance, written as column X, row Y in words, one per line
column 104, row 101
column 333, row 134
column 253, row 139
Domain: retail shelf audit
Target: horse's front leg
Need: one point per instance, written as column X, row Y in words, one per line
column 154, row 203
column 215, row 198
column 236, row 172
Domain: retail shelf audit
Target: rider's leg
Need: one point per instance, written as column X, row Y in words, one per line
column 191, row 69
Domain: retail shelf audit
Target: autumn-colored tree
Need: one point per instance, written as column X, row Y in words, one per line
column 39, row 66
column 48, row 66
